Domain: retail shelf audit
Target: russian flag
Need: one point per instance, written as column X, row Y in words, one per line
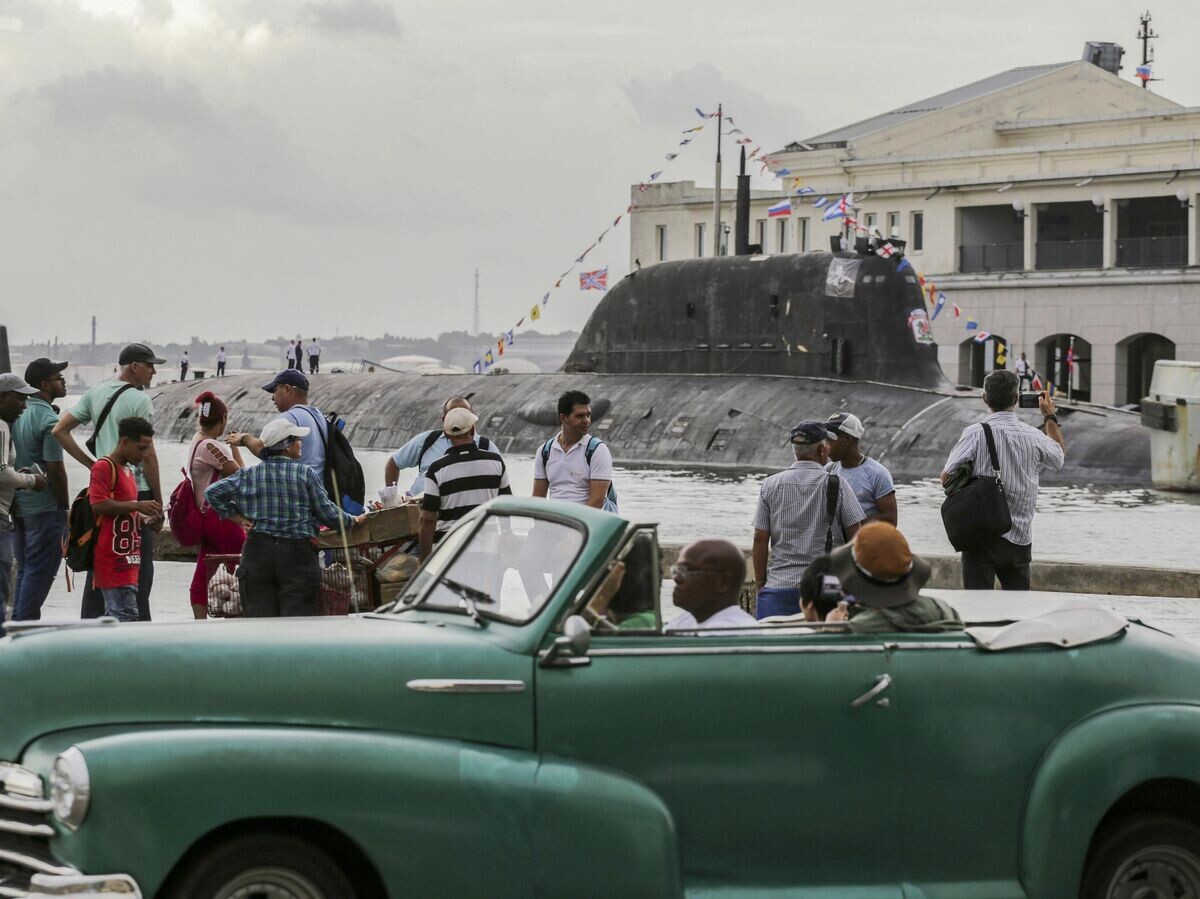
column 1143, row 72
column 781, row 208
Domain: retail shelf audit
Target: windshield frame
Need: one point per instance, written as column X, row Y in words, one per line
column 483, row 610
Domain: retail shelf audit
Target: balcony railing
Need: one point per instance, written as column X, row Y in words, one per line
column 1142, row 252
column 992, row 257
column 1052, row 254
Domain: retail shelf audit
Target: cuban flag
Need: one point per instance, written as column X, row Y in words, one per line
column 982, row 337
column 477, row 367
column 597, row 280
column 820, row 201
column 804, row 191
column 839, row 209
column 1143, row 72
column 782, row 208
column 938, row 306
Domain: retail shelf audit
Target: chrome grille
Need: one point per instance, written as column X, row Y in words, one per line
column 25, row 834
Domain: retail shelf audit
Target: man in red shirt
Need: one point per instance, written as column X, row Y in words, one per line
column 113, row 495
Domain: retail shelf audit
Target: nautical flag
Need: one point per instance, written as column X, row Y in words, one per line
column 734, row 130
column 477, row 368
column 753, row 153
column 783, row 172
column 886, row 250
column 839, row 209
column 784, row 208
column 597, row 280
column 690, row 130
column 957, row 311
column 671, row 156
column 643, row 187
column 518, row 324
column 535, row 314
column 932, row 291
column 982, row 337
column 500, row 347
column 1001, row 353
column 744, row 140
column 704, row 115
column 508, row 337
column 600, row 239
column 558, row 282
column 937, row 307
column 804, row 191
column 971, row 323
column 1036, row 383
column 904, row 263
column 1143, row 72
column 654, row 175
column 616, row 221
column 488, row 358
column 580, row 259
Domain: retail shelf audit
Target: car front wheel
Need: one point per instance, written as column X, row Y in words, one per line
column 264, row 866
column 1145, row 858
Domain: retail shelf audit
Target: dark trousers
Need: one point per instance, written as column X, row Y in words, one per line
column 37, row 542
column 314, row 363
column 92, row 604
column 1006, row 561
column 220, row 369
column 183, row 372
column 279, row 577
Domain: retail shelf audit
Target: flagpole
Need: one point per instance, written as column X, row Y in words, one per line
column 717, row 192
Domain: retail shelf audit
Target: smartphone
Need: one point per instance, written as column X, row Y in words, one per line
column 1029, row 400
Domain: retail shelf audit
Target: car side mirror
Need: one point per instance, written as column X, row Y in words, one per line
column 570, row 649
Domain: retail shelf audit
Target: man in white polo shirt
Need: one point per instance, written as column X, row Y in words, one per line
column 572, row 466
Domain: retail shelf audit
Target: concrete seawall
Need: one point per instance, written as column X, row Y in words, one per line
column 1068, row 577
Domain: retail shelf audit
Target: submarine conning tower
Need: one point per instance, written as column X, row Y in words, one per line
column 857, row 317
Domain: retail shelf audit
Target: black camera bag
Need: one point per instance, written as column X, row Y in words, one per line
column 977, row 513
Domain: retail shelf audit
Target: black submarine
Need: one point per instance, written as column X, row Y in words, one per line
column 706, row 363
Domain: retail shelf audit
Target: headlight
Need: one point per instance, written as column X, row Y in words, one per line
column 70, row 788
column 20, row 781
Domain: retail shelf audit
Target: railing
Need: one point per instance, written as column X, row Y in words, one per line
column 1053, row 254
column 1141, row 252
column 992, row 257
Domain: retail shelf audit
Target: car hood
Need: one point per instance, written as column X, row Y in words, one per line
column 324, row 672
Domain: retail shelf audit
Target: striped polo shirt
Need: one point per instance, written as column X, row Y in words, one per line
column 464, row 478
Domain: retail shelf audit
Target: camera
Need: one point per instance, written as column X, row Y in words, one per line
column 831, row 589
column 1029, row 400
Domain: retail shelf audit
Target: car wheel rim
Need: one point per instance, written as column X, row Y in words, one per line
column 270, row 883
column 1158, row 872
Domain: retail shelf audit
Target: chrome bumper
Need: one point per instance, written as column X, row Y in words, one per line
column 83, row 885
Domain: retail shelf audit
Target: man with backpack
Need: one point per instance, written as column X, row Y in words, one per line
column 327, row 451
column 572, row 465
column 107, row 404
column 426, row 448
column 803, row 512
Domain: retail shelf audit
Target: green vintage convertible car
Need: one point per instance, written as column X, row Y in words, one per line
column 477, row 739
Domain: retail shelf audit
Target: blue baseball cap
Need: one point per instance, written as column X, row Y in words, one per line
column 292, row 377
column 810, row 433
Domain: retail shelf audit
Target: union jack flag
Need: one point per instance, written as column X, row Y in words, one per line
column 597, row 280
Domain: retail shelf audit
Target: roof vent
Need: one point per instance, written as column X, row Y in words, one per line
column 1104, row 54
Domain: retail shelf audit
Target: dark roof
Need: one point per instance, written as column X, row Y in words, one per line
column 981, row 88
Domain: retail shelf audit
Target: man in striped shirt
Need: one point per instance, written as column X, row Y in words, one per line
column 464, row 478
column 1023, row 453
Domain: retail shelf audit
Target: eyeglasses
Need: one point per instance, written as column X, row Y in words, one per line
column 685, row 571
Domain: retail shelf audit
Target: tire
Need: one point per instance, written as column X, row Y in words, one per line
column 1148, row 858
column 263, row 866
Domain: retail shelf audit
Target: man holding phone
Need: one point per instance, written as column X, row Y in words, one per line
column 1023, row 453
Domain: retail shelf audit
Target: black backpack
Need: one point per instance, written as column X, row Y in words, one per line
column 432, row 437
column 343, row 474
column 83, row 529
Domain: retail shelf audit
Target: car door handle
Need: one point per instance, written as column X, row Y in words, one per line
column 882, row 682
column 452, row 685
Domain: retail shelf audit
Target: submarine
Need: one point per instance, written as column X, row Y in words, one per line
column 707, row 363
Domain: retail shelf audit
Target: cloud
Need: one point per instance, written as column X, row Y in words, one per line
column 704, row 85
column 355, row 17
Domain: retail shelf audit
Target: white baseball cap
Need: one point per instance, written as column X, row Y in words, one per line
column 10, row 383
column 845, row 423
column 279, row 430
column 459, row 421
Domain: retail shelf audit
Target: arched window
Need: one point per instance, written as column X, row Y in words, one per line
column 1065, row 360
column 1136, row 356
column 977, row 358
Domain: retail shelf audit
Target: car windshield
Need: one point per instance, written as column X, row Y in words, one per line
column 506, row 567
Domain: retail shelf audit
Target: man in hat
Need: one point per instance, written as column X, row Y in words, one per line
column 802, row 512
column 426, row 448
column 871, row 482
column 884, row 579
column 281, row 504
column 289, row 392
column 709, row 577
column 39, row 519
column 462, row 479
column 13, row 394
column 113, row 401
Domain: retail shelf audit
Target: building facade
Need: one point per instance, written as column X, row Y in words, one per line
column 1055, row 205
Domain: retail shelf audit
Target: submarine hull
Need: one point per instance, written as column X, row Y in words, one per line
column 732, row 422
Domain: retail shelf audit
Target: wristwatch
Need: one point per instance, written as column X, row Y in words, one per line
column 1051, row 417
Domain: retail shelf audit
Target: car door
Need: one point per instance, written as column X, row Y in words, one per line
column 772, row 752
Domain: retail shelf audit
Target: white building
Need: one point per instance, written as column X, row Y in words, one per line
column 1051, row 203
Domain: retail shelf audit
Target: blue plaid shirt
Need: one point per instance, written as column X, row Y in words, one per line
column 283, row 497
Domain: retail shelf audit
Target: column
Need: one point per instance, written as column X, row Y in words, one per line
column 1193, row 231
column 1109, row 245
column 1030, row 235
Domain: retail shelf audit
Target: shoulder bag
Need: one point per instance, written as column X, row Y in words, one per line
column 977, row 514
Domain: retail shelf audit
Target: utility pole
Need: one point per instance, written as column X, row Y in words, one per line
column 93, row 332
column 717, row 193
column 1145, row 35
column 475, row 317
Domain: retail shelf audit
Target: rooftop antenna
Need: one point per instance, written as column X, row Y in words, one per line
column 717, row 192
column 475, row 317
column 1145, row 35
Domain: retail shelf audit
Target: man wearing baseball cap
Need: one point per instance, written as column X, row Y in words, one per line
column 281, row 504
column 104, row 407
column 289, row 392
column 882, row 579
column 39, row 519
column 803, row 511
column 871, row 482
column 13, row 394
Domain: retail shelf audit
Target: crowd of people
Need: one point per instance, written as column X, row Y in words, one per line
column 831, row 517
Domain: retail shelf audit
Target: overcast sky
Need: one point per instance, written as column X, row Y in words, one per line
column 247, row 168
